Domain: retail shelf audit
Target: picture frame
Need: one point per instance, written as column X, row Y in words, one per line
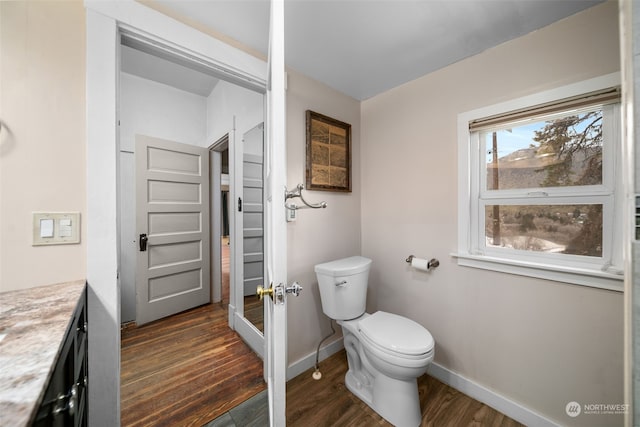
column 328, row 153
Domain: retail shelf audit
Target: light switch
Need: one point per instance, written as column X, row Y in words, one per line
column 46, row 228
column 56, row 228
column 64, row 228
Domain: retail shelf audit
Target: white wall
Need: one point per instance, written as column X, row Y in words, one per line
column 42, row 141
column 539, row 343
column 228, row 100
column 154, row 109
column 318, row 235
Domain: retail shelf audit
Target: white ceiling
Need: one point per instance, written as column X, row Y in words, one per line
column 365, row 47
column 148, row 66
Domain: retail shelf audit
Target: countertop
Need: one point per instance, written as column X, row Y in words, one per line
column 33, row 323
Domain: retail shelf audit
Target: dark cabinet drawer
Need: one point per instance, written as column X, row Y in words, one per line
column 65, row 399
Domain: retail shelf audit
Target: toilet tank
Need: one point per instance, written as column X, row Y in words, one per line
column 343, row 287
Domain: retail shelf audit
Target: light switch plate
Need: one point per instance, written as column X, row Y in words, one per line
column 46, row 228
column 56, row 228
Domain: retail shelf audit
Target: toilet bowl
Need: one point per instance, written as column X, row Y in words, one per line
column 386, row 353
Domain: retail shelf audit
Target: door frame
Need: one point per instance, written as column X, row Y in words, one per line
column 237, row 321
column 275, row 161
column 105, row 21
column 215, row 204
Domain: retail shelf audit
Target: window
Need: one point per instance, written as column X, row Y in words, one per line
column 539, row 185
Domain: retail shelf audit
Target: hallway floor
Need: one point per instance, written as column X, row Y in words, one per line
column 185, row 370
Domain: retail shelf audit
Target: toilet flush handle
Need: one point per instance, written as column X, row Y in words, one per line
column 342, row 284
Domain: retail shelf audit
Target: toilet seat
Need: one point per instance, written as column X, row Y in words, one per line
column 396, row 338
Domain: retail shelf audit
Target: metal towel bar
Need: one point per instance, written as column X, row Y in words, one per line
column 298, row 193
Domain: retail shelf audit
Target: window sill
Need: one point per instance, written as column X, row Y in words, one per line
column 577, row 276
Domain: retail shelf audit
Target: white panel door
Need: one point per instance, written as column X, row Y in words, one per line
column 172, row 225
column 275, row 361
column 253, row 209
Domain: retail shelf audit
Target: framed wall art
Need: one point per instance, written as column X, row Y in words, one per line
column 328, row 153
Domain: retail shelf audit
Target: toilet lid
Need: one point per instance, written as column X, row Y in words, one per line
column 396, row 333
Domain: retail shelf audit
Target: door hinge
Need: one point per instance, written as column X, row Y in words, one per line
column 239, row 204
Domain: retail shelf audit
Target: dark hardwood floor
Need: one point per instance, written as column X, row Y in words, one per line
column 327, row 402
column 191, row 368
column 185, row 370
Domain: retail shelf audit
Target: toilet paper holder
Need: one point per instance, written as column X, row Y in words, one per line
column 433, row 263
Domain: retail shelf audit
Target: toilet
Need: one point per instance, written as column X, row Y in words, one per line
column 386, row 352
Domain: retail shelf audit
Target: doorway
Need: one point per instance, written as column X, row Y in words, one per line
column 104, row 23
column 238, row 246
column 162, row 97
column 220, row 213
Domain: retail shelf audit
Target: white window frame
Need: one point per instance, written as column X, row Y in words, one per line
column 605, row 272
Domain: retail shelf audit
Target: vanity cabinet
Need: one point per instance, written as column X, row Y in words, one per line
column 64, row 402
column 43, row 349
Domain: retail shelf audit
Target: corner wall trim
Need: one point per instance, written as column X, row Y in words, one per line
column 489, row 397
column 309, row 361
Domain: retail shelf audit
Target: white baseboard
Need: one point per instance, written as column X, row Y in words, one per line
column 309, row 361
column 489, row 397
column 472, row 389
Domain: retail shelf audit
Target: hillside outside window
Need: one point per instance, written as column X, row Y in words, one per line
column 543, row 188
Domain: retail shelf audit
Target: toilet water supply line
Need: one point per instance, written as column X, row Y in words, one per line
column 317, row 374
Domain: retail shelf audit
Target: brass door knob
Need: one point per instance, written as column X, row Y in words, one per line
column 261, row 292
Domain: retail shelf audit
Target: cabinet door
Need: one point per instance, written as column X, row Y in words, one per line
column 65, row 398
column 80, row 328
column 53, row 410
